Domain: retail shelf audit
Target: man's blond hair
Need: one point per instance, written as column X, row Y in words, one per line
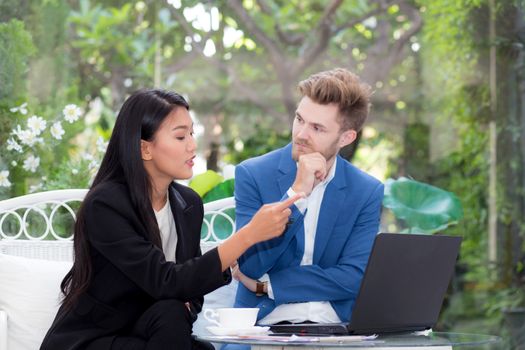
column 343, row 88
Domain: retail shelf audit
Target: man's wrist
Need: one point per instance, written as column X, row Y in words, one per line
column 297, row 188
column 261, row 288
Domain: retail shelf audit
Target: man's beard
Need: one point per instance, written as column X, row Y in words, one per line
column 329, row 153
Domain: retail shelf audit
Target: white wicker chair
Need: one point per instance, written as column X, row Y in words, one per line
column 33, row 226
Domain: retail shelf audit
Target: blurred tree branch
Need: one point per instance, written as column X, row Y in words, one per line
column 244, row 90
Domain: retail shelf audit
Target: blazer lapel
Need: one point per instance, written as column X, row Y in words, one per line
column 287, row 170
column 332, row 205
column 179, row 207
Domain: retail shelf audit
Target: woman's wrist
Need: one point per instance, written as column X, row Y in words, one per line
column 231, row 249
column 245, row 236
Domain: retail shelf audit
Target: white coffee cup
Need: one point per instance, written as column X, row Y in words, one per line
column 238, row 318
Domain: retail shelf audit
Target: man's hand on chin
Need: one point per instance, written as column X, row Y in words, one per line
column 311, row 170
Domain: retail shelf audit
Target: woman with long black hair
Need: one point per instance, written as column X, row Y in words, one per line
column 138, row 277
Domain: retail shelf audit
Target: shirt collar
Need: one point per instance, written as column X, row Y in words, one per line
column 331, row 174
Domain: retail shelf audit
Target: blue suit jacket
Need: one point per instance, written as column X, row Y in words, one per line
column 348, row 222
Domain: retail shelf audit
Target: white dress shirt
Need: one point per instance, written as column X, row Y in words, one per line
column 315, row 311
column 168, row 231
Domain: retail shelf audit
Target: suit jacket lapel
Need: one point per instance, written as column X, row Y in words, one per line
column 332, row 205
column 287, row 170
column 179, row 208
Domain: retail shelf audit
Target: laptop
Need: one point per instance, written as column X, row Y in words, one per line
column 402, row 290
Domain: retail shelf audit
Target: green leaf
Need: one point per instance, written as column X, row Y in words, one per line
column 424, row 208
column 204, row 182
column 222, row 190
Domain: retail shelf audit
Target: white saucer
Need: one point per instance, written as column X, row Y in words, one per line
column 237, row 331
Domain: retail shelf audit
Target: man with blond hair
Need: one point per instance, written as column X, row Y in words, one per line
column 313, row 271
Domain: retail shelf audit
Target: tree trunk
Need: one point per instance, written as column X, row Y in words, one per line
column 510, row 152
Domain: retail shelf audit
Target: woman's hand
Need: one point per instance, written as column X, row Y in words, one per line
column 270, row 221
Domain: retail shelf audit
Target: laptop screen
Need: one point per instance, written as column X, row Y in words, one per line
column 405, row 282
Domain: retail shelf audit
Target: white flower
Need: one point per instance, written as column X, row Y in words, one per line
column 14, row 163
column 22, row 108
column 74, row 171
column 28, row 137
column 31, row 163
column 101, row 145
column 16, row 130
column 4, row 181
column 72, row 113
column 57, row 131
column 13, row 145
column 36, row 124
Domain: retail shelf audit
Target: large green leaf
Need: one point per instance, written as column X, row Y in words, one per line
column 222, row 190
column 204, row 182
column 424, row 208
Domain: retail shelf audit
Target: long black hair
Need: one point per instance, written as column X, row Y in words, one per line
column 139, row 119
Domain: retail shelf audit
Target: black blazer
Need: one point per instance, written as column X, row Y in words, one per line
column 129, row 273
